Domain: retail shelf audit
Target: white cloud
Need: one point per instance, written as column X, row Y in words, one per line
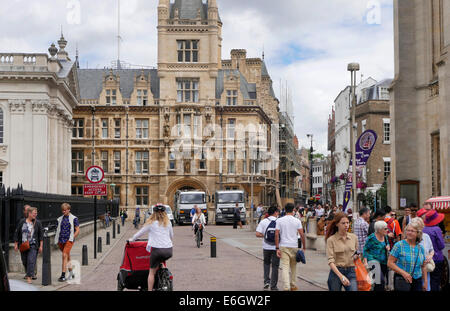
column 328, row 33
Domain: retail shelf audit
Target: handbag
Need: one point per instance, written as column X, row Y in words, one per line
column 25, row 246
column 429, row 267
column 400, row 284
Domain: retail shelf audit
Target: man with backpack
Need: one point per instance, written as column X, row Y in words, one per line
column 266, row 230
column 286, row 245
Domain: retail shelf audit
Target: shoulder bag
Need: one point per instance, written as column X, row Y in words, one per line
column 400, row 284
column 25, row 246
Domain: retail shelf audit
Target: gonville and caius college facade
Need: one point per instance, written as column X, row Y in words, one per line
column 157, row 131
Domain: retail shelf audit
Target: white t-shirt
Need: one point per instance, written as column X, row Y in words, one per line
column 320, row 212
column 289, row 226
column 158, row 236
column 262, row 227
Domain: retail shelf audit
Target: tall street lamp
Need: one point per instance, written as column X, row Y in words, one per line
column 353, row 68
column 311, row 165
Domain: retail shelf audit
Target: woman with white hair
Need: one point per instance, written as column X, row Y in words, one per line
column 427, row 244
column 376, row 253
column 407, row 260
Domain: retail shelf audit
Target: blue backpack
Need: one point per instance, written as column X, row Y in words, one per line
column 269, row 235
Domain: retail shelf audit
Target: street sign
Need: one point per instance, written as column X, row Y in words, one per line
column 97, row 189
column 95, row 174
column 317, row 197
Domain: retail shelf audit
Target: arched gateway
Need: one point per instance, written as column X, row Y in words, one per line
column 184, row 184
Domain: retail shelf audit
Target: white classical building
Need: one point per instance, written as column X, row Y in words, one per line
column 318, row 178
column 342, row 154
column 37, row 95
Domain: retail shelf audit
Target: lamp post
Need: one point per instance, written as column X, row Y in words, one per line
column 353, row 68
column 311, row 165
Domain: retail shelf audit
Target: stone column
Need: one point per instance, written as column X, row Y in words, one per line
column 18, row 166
column 40, row 150
column 52, row 149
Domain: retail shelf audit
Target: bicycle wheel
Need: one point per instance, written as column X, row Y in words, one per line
column 197, row 238
column 165, row 284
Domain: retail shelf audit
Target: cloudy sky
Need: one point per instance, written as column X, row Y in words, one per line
column 306, row 43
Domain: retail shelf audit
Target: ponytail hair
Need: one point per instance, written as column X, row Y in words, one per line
column 332, row 227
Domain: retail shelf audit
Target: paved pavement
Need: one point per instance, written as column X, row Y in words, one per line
column 238, row 267
column 315, row 272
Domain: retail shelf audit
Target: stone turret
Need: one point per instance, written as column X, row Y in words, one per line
column 213, row 10
column 163, row 10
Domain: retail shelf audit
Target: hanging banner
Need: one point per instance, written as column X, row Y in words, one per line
column 364, row 146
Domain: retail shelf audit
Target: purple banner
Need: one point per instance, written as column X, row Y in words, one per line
column 364, row 147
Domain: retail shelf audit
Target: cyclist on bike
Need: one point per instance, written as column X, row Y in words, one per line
column 160, row 235
column 199, row 222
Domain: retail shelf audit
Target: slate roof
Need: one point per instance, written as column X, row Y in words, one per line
column 91, row 81
column 248, row 90
column 187, row 9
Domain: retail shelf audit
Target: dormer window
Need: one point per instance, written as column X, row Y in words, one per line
column 111, row 97
column 142, row 97
column 232, row 97
column 187, row 51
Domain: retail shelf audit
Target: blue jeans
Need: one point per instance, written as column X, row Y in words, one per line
column 335, row 283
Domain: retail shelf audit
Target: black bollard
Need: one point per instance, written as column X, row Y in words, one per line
column 108, row 238
column 213, row 247
column 118, row 228
column 114, row 229
column 46, row 261
column 99, row 244
column 85, row 256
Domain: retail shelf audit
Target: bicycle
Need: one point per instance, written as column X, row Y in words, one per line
column 163, row 279
column 198, row 236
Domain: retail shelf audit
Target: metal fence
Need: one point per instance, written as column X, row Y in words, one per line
column 12, row 202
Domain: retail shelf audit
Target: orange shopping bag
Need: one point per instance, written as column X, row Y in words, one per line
column 362, row 277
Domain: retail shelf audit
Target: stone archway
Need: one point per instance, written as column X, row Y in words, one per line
column 184, row 184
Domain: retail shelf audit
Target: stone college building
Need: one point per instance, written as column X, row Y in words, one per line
column 157, row 131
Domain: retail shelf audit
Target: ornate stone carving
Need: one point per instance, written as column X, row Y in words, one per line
column 17, row 106
column 40, row 106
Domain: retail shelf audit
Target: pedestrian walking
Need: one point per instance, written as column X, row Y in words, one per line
column 266, row 230
column 342, row 251
column 432, row 221
column 407, row 260
column 237, row 217
column 259, row 212
column 395, row 231
column 286, row 244
column 427, row 245
column 361, row 228
column 375, row 253
column 123, row 216
column 66, row 233
column 137, row 217
column 28, row 238
column 379, row 215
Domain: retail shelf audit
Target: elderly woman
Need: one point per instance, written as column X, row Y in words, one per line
column 407, row 260
column 376, row 253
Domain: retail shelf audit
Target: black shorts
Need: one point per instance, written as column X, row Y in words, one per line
column 159, row 255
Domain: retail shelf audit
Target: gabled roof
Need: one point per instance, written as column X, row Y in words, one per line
column 248, row 90
column 91, row 81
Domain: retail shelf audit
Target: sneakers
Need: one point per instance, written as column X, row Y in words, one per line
column 62, row 279
column 294, row 288
column 71, row 275
column 266, row 286
column 275, row 289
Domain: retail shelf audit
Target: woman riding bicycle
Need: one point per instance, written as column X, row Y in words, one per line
column 199, row 222
column 160, row 235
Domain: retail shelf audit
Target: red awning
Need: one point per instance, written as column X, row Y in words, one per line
column 440, row 202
